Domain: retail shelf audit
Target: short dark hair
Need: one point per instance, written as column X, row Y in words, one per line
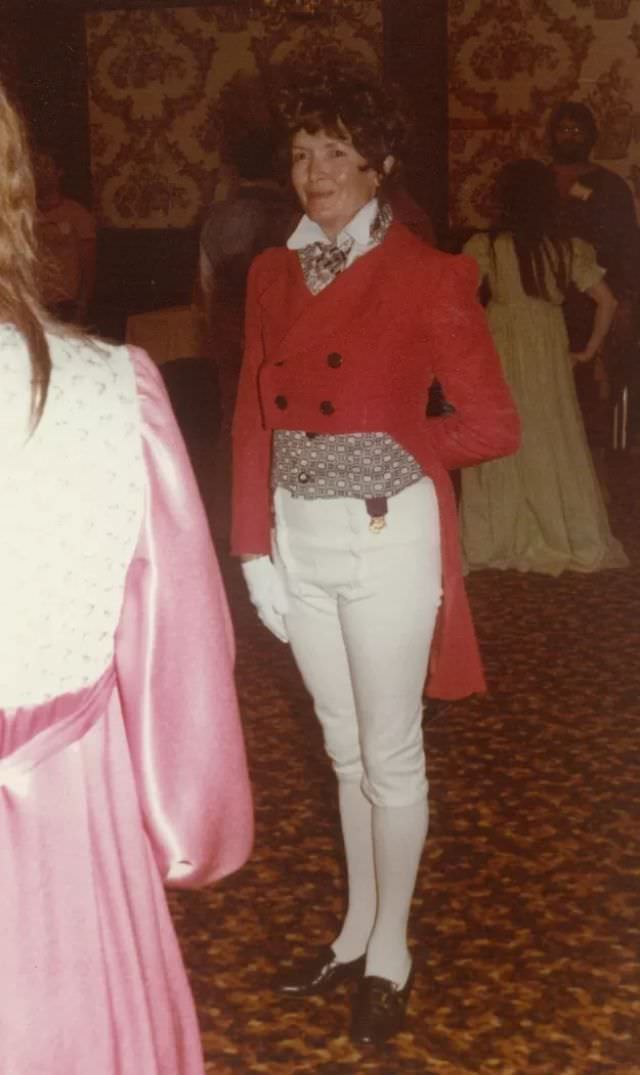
column 580, row 114
column 357, row 104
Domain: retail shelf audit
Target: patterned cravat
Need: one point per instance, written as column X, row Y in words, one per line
column 322, row 262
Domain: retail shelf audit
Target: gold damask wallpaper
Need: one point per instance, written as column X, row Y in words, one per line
column 159, row 81
column 510, row 61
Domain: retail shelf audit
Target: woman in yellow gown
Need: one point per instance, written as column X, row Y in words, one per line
column 541, row 509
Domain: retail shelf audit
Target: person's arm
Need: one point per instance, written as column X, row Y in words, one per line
column 484, row 424
column 251, row 508
column 211, row 252
column 251, row 500
column 174, row 663
column 228, row 234
column 606, row 305
column 206, row 277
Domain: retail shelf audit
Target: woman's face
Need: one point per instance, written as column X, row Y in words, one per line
column 330, row 178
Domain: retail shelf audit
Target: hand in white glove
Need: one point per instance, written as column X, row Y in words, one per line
column 267, row 594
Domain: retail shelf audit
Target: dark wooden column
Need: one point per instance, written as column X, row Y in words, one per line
column 415, row 56
column 43, row 60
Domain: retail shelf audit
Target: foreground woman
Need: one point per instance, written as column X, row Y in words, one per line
column 121, row 756
column 346, row 330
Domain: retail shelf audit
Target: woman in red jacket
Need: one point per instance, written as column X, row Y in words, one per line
column 343, row 509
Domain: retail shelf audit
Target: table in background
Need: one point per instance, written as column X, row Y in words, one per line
column 174, row 332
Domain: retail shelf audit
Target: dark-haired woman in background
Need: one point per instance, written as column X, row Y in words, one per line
column 346, row 330
column 541, row 509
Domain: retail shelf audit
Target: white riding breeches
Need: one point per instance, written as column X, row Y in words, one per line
column 362, row 609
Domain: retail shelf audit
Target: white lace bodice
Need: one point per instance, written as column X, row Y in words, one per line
column 72, row 500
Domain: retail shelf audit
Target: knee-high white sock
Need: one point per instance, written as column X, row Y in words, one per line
column 357, row 834
column 398, row 839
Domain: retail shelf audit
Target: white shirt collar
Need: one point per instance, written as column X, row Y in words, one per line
column 358, row 229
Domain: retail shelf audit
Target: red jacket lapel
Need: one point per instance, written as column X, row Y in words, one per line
column 294, row 319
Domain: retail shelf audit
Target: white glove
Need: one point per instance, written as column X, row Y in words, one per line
column 267, row 594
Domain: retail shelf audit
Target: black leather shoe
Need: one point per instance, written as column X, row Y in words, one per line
column 321, row 974
column 378, row 1010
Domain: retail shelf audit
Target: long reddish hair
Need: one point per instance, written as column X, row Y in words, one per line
column 19, row 288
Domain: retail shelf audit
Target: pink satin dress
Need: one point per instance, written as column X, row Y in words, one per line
column 109, row 791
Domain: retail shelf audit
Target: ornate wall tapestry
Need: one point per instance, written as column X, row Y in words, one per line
column 511, row 61
column 159, row 80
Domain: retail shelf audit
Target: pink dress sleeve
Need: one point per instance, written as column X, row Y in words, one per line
column 174, row 662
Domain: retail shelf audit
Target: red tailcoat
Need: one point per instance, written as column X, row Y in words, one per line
column 360, row 357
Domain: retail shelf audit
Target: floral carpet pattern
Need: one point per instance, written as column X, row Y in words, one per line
column 526, row 928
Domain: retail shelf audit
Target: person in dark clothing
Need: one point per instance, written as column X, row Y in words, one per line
column 257, row 214
column 595, row 204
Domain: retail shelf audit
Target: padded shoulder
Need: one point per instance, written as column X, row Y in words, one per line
column 458, row 271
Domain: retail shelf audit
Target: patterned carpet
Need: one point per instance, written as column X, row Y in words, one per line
column 526, row 930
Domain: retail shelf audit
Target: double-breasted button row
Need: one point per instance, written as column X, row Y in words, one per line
column 326, row 407
column 334, row 360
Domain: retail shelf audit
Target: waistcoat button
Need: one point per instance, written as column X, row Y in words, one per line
column 334, row 360
column 303, row 477
column 327, row 407
column 281, row 402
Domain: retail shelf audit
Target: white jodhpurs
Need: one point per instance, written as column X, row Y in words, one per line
column 362, row 609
